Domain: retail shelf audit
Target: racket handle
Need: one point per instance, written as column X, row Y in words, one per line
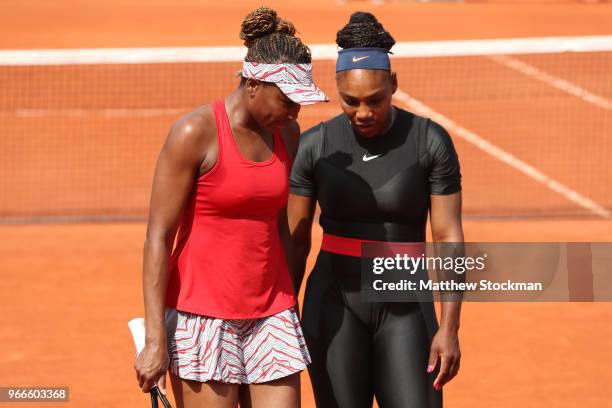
column 161, row 396
column 153, row 393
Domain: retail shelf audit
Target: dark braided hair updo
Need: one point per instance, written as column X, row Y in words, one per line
column 363, row 31
column 271, row 40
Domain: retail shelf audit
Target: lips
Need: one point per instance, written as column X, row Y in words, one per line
column 366, row 130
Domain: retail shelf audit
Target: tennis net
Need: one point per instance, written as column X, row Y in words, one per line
column 531, row 119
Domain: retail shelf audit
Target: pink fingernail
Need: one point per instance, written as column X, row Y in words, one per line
column 430, row 368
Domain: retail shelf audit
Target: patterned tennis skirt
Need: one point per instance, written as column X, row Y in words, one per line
column 246, row 351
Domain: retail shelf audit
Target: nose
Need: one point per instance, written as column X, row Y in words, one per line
column 363, row 113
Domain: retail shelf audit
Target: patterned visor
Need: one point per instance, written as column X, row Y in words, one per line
column 294, row 80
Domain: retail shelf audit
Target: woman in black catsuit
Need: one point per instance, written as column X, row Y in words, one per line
column 376, row 171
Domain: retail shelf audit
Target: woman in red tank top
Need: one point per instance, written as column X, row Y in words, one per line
column 219, row 304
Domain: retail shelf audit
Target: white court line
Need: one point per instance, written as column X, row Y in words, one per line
column 554, row 81
column 416, row 49
column 502, row 155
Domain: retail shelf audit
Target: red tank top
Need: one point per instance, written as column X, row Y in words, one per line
column 228, row 261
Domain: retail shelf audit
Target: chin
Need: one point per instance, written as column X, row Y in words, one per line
column 370, row 132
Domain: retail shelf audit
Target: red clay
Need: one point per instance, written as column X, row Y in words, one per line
column 156, row 23
column 66, row 306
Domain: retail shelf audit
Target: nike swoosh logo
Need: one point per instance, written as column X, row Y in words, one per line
column 357, row 59
column 366, row 158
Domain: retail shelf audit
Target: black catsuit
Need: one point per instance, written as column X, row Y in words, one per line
column 364, row 349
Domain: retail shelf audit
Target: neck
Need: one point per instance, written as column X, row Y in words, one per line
column 238, row 113
column 390, row 120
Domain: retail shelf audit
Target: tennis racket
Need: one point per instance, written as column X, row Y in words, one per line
column 137, row 328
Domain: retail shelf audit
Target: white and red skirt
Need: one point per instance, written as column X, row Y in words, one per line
column 244, row 351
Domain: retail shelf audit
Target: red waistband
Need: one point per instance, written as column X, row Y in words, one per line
column 353, row 247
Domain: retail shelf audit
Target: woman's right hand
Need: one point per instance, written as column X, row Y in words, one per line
column 151, row 365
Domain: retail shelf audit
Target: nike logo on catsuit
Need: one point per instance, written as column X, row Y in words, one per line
column 357, row 59
column 366, row 158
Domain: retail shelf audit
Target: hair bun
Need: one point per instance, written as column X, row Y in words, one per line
column 285, row 27
column 263, row 22
column 364, row 17
column 362, row 31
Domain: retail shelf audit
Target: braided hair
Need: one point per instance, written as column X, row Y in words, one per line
column 271, row 40
column 363, row 31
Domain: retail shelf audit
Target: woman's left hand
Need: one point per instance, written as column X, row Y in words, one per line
column 445, row 345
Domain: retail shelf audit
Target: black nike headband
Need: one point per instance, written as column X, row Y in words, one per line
column 363, row 58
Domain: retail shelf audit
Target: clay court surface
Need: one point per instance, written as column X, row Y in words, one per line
column 68, row 290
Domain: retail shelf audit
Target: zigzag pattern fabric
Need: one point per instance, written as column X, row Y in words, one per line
column 247, row 351
column 294, row 80
column 278, row 73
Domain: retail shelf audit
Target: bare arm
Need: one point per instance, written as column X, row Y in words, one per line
column 177, row 167
column 300, row 212
column 295, row 256
column 446, row 227
column 301, row 206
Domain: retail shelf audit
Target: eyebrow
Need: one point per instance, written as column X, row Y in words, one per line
column 374, row 94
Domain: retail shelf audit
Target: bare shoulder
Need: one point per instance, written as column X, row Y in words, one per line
column 193, row 135
column 291, row 137
column 194, row 127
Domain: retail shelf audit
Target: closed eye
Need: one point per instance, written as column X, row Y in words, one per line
column 351, row 101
